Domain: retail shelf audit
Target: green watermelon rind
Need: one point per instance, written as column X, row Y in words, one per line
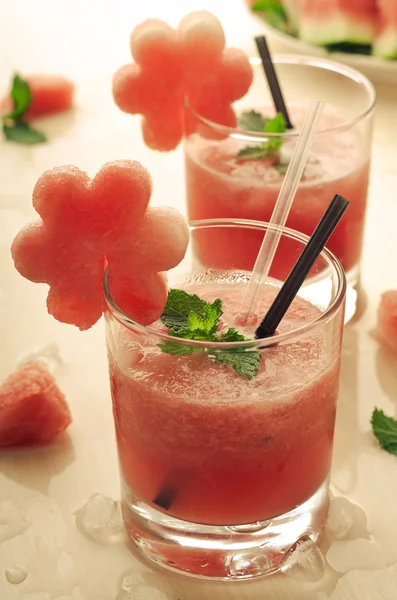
column 335, row 31
column 385, row 45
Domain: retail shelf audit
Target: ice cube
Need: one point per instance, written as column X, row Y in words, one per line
column 350, row 555
column 340, row 518
column 304, row 561
column 101, row 520
column 48, row 355
column 140, row 592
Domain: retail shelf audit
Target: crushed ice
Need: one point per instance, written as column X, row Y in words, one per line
column 141, row 592
column 48, row 355
column 141, row 586
column 304, row 561
column 101, row 520
column 345, row 520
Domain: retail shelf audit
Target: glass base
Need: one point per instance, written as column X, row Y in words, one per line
column 220, row 552
column 355, row 297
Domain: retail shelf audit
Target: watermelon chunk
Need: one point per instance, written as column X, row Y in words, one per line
column 86, row 224
column 385, row 44
column 51, row 94
column 387, row 319
column 171, row 65
column 33, row 410
column 331, row 22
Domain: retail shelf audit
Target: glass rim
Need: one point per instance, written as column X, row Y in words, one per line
column 253, row 344
column 311, row 61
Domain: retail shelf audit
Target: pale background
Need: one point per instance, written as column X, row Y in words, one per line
column 87, row 41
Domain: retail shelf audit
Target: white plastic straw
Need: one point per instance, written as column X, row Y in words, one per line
column 281, row 210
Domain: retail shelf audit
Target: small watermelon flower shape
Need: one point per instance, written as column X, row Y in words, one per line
column 173, row 65
column 87, row 224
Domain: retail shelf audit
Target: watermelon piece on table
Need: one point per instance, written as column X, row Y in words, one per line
column 387, row 319
column 336, row 22
column 33, row 409
column 385, row 44
column 51, row 94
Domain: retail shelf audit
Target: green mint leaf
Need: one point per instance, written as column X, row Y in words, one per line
column 244, row 362
column 208, row 321
column 178, row 308
column 21, row 133
column 253, row 153
column 176, row 349
column 21, row 97
column 272, row 146
column 189, row 317
column 276, row 125
column 232, row 335
column 385, row 430
column 252, row 121
column 281, row 168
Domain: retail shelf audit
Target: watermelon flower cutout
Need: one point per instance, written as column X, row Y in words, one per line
column 87, row 224
column 189, row 63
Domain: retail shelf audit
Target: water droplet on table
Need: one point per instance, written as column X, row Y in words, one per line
column 304, row 561
column 101, row 520
column 15, row 575
column 12, row 521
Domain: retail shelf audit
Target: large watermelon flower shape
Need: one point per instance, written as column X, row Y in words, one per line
column 86, row 224
column 173, row 65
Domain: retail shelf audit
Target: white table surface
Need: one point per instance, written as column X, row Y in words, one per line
column 45, row 486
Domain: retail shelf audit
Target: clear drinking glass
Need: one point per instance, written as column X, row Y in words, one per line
column 222, row 475
column 220, row 186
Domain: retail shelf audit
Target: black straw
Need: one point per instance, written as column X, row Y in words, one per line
column 272, row 79
column 168, row 492
column 299, row 272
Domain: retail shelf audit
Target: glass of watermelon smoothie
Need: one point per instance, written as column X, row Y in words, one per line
column 219, row 184
column 225, row 446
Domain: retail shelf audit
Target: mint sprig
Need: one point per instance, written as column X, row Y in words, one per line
column 385, row 430
column 189, row 317
column 272, row 145
column 251, row 120
column 15, row 128
column 21, row 97
column 21, row 133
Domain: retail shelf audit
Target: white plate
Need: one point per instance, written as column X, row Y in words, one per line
column 378, row 70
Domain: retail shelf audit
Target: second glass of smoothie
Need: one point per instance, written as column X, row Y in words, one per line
column 220, row 185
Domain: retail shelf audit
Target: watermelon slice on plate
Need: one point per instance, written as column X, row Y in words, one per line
column 33, row 409
column 336, row 23
column 385, row 43
column 360, row 33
